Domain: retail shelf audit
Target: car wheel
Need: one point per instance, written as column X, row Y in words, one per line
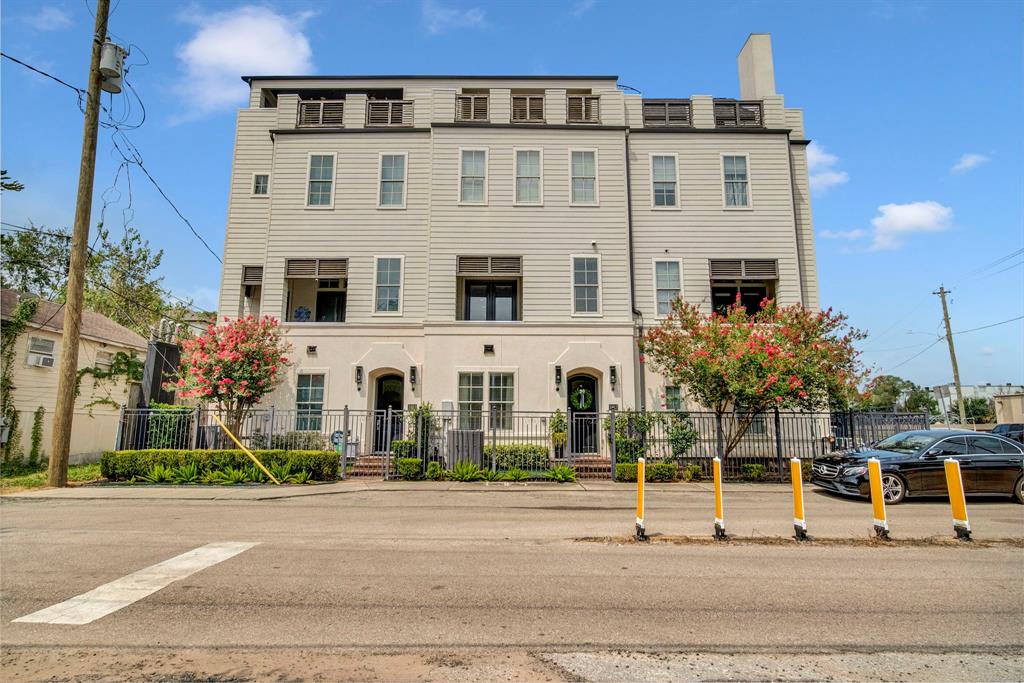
column 1018, row 491
column 894, row 489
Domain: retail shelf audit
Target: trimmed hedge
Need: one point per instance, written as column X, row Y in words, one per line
column 525, row 456
column 403, row 448
column 124, row 465
column 410, row 469
column 658, row 471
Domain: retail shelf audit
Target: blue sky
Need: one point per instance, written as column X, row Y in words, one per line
column 914, row 109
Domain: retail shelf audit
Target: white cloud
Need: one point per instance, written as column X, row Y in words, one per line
column 819, row 166
column 987, row 351
column 895, row 222
column 581, row 7
column 438, row 18
column 248, row 40
column 968, row 161
column 49, row 18
column 843, row 234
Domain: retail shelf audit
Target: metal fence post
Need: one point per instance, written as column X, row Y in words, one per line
column 120, row 429
column 344, row 441
column 778, row 443
column 719, row 435
column 611, row 440
column 494, row 441
column 272, row 414
column 387, row 442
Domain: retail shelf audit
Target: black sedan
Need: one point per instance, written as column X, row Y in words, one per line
column 912, row 465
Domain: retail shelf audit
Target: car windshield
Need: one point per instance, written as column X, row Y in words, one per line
column 904, row 443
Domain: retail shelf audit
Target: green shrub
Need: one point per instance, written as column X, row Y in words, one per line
column 410, row 469
column 558, row 427
column 434, row 471
column 126, row 465
column 186, row 474
column 753, row 471
column 403, row 448
column 628, row 448
column 625, row 471
column 169, row 426
column 36, row 453
column 526, row 456
column 693, row 472
column 805, row 470
column 158, row 474
column 662, row 471
column 681, row 434
column 491, row 475
column 657, row 471
column 300, row 441
column 465, row 470
column 561, row 473
column 516, row 474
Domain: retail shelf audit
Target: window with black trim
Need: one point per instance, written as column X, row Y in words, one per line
column 491, row 300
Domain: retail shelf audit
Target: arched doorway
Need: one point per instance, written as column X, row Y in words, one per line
column 389, row 393
column 582, row 408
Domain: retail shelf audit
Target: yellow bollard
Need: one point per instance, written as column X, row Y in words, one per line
column 716, row 470
column 957, row 501
column 641, row 472
column 881, row 522
column 247, row 451
column 796, row 473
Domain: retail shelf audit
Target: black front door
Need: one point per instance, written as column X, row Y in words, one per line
column 583, row 417
column 390, row 393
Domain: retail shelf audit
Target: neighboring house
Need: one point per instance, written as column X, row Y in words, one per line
column 501, row 241
column 946, row 394
column 1009, row 408
column 35, row 375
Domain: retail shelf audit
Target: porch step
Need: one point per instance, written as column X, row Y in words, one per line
column 368, row 466
column 592, row 466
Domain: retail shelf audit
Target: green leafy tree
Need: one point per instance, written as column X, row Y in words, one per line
column 782, row 356
column 977, row 410
column 36, row 261
column 921, row 400
column 8, row 184
column 885, row 391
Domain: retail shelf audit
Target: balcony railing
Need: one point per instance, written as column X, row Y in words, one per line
column 583, row 109
column 389, row 113
column 321, row 113
column 471, row 108
column 738, row 114
column 666, row 113
column 527, row 109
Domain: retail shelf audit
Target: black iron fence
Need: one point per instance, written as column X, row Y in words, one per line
column 387, row 443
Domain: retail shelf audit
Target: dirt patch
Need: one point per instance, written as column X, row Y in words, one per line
column 153, row 665
column 871, row 542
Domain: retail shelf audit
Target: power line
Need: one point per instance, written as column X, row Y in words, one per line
column 902, row 363
column 985, row 327
column 43, row 73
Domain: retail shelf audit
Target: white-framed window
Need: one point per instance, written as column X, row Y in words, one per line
column 736, row 181
column 529, row 170
column 664, row 181
column 320, row 181
column 583, row 180
column 391, row 191
column 471, row 400
column 40, row 352
column 260, row 184
column 388, row 285
column 309, row 401
column 472, row 176
column 673, row 398
column 668, row 284
column 586, row 285
column 104, row 360
column 501, row 398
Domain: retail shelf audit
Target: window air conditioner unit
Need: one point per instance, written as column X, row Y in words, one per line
column 40, row 361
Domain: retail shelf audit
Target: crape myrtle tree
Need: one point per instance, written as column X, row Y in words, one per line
column 780, row 357
column 233, row 365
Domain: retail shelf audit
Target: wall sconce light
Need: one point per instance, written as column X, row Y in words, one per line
column 558, row 376
column 613, row 376
column 488, row 348
column 359, row 377
column 311, row 350
column 412, row 376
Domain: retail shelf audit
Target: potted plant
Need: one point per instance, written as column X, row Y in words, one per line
column 558, row 427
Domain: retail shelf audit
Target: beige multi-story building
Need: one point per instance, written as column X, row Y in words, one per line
column 483, row 242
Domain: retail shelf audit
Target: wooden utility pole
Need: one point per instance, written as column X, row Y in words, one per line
column 952, row 355
column 64, row 411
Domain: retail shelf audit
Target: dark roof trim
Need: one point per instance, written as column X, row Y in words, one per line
column 311, row 131
column 535, row 126
column 426, row 77
column 800, row 142
column 690, row 129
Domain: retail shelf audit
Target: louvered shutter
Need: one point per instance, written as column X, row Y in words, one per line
column 252, row 275
column 377, row 113
column 520, row 108
column 465, row 108
column 331, row 269
column 575, row 110
column 473, row 265
column 726, row 268
column 300, row 268
column 506, row 265
column 761, row 269
column 332, row 113
column 536, row 108
column 480, row 108
column 309, row 113
column 677, row 113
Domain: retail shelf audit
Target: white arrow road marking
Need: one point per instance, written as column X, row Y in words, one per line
column 110, row 597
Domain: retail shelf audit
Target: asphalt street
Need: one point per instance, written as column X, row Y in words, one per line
column 398, row 582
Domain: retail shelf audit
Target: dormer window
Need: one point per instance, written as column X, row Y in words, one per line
column 527, row 107
column 472, row 105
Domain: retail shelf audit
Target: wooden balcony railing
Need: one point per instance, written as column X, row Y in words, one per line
column 321, row 113
column 472, row 108
column 583, row 109
column 738, row 114
column 666, row 113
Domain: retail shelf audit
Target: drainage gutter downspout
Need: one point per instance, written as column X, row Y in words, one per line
column 638, row 317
